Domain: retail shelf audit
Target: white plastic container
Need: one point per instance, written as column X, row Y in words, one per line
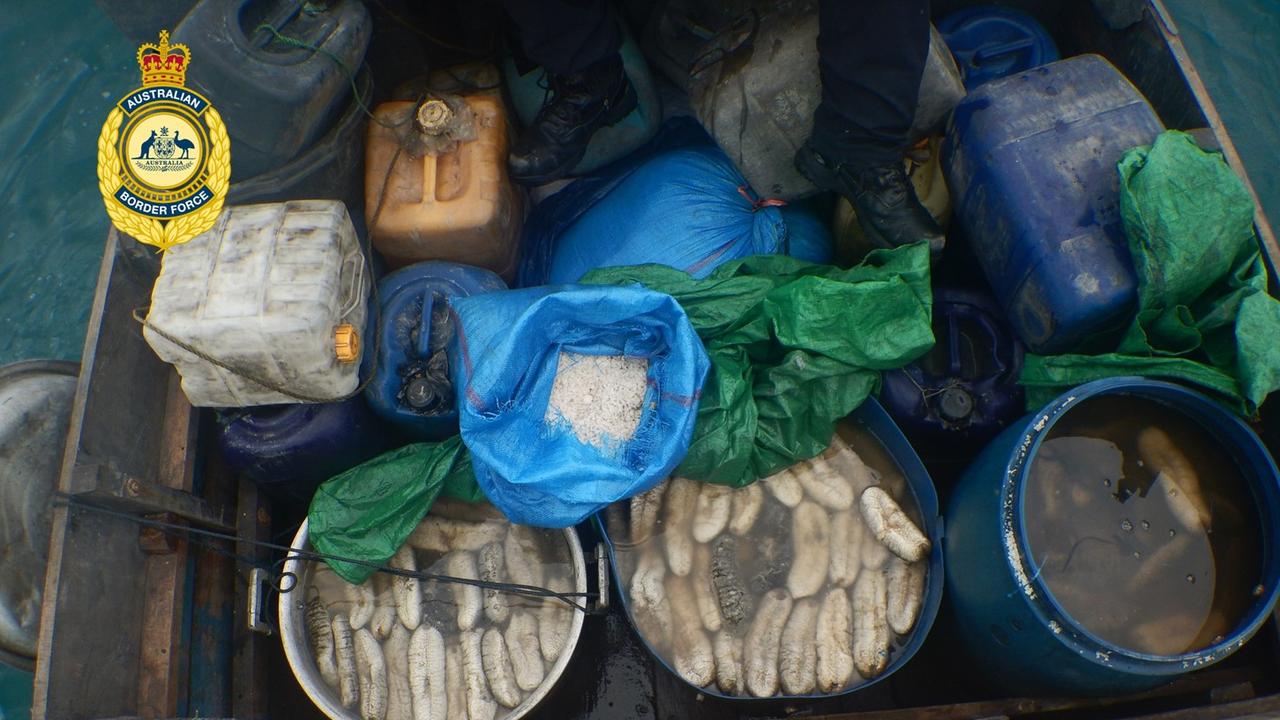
column 277, row 292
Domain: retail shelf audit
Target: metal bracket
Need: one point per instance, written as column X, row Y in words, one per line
column 259, row 615
column 107, row 487
column 602, row 577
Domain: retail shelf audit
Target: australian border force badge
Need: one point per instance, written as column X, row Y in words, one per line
column 164, row 158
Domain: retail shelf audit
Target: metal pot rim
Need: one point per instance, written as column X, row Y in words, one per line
column 298, row 653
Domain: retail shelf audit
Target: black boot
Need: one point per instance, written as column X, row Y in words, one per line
column 886, row 203
column 578, row 105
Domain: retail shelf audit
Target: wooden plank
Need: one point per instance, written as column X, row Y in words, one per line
column 209, row 671
column 1265, row 707
column 90, row 617
column 249, row 669
column 1197, row 685
column 162, row 650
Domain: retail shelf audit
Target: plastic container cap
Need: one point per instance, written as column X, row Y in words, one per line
column 991, row 42
column 346, row 342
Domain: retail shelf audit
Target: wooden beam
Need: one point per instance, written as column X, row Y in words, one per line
column 162, row 648
column 249, row 664
column 90, row 625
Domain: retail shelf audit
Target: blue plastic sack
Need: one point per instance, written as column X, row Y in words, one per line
column 504, row 360
column 678, row 202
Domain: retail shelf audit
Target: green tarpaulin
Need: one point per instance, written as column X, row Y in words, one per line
column 367, row 512
column 1204, row 316
column 793, row 347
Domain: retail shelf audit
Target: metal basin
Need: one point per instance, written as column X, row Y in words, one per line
column 297, row 648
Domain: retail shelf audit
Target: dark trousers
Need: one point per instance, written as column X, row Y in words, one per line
column 565, row 36
column 871, row 56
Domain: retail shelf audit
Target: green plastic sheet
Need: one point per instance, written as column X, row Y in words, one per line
column 1204, row 316
column 794, row 347
column 367, row 512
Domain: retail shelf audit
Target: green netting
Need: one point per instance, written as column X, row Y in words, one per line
column 1204, row 316
column 793, row 347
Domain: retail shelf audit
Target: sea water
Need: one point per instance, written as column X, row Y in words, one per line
column 1141, row 526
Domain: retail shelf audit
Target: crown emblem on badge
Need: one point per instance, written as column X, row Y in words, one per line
column 164, row 64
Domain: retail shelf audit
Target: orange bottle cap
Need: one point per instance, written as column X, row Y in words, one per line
column 346, row 342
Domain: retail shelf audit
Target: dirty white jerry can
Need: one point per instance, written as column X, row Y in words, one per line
column 269, row 304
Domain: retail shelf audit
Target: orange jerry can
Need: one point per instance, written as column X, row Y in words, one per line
column 436, row 184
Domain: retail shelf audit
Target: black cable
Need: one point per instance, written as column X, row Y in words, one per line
column 208, row 536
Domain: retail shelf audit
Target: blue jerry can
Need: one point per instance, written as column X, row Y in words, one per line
column 277, row 98
column 410, row 387
column 1031, row 163
column 288, row 450
column 989, row 42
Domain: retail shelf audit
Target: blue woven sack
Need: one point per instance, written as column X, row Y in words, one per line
column 679, row 202
column 504, row 360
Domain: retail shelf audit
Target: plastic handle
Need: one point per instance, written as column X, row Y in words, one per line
column 430, row 174
column 963, row 311
column 424, row 325
column 356, row 290
column 987, row 53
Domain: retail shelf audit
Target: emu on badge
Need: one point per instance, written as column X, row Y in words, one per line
column 164, row 158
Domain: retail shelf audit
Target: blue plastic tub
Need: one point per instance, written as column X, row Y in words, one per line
column 1004, row 612
column 410, row 387
column 873, row 419
column 989, row 42
column 1031, row 163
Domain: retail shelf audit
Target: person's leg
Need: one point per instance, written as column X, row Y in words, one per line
column 872, row 56
column 577, row 42
column 565, row 36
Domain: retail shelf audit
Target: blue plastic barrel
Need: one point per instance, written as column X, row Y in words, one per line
column 871, row 418
column 1031, row 163
column 1004, row 612
column 290, row 449
column 990, row 42
column 410, row 387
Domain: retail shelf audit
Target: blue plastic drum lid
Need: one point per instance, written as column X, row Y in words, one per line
column 1005, row 612
column 966, row 388
column 869, row 419
column 410, row 387
column 990, row 42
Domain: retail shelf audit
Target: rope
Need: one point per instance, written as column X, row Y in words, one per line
column 259, row 379
column 759, row 203
column 209, row 539
column 297, row 43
